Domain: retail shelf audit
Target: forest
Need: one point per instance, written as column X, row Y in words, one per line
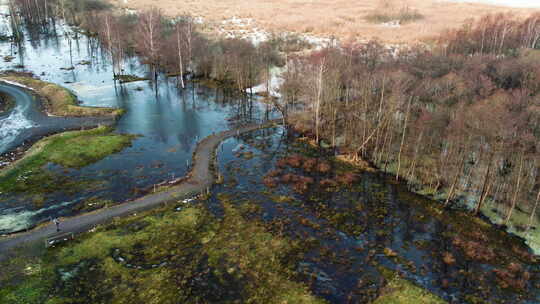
column 456, row 118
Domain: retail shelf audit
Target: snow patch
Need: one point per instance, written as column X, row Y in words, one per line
column 393, row 23
column 16, row 84
column 276, row 80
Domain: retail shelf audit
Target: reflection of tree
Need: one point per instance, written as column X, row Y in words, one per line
column 190, row 127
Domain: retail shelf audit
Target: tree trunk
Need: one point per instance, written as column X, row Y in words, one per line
column 485, row 186
column 318, row 104
column 516, row 192
column 180, row 63
column 403, row 137
column 533, row 213
column 455, row 181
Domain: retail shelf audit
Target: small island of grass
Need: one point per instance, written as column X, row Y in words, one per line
column 74, row 149
column 402, row 291
column 59, row 101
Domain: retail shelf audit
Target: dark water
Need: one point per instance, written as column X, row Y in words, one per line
column 354, row 228
column 169, row 123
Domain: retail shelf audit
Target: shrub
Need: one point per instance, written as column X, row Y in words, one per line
column 324, row 167
column 309, row 164
column 403, row 15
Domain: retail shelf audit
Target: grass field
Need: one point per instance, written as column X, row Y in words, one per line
column 74, row 149
column 341, row 18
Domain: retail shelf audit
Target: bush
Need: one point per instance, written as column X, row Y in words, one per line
column 403, row 16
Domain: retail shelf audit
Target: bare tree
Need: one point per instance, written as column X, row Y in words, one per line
column 149, row 29
column 180, row 57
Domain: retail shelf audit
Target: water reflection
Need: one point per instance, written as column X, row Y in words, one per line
column 169, row 123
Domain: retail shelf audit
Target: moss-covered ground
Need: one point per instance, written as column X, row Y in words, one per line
column 59, row 101
column 74, row 149
column 401, row 291
column 164, row 256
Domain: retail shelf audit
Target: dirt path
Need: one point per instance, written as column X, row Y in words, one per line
column 200, row 178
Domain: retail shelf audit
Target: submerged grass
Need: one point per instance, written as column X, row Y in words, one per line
column 75, row 149
column 495, row 212
column 59, row 101
column 402, row 291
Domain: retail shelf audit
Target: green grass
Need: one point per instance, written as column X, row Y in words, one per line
column 59, row 101
column 75, row 149
column 401, row 291
column 227, row 260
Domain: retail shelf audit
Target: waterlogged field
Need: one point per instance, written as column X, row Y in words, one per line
column 283, row 225
column 165, row 123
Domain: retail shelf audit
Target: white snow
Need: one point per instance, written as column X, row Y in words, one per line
column 394, row 23
column 16, row 84
column 245, row 28
column 274, row 84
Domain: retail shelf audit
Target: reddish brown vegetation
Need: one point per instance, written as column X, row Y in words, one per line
column 347, row 179
column 328, row 183
column 295, row 160
column 324, row 167
column 523, row 253
column 475, row 250
column 282, row 163
column 513, row 276
column 274, row 173
column 309, row 164
column 448, row 258
column 302, row 184
column 270, row 182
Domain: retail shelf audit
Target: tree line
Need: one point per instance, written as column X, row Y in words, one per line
column 460, row 121
column 173, row 46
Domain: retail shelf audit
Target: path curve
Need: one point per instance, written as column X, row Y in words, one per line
column 27, row 122
column 199, row 179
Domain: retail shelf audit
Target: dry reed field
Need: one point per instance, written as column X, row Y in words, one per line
column 345, row 19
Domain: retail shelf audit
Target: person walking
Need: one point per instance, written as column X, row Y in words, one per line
column 57, row 224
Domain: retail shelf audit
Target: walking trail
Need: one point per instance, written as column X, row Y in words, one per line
column 199, row 179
